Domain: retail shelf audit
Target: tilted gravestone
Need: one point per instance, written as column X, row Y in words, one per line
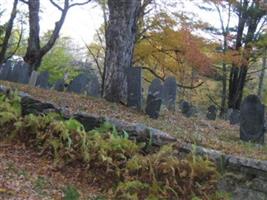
column 134, row 86
column 87, row 84
column 154, row 99
column 42, row 80
column 33, row 78
column 59, row 85
column 5, row 70
column 169, row 93
column 252, row 120
column 234, row 117
column 20, row 73
column 212, row 112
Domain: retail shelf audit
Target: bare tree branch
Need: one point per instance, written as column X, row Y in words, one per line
column 79, row 4
column 56, row 5
column 179, row 85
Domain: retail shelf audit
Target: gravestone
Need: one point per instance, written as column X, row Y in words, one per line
column 154, row 100
column 20, row 73
column 212, row 112
column 169, row 93
column 42, row 80
column 59, row 85
column 252, row 120
column 186, row 108
column 5, row 70
column 134, row 86
column 87, row 84
column 33, row 78
column 234, row 117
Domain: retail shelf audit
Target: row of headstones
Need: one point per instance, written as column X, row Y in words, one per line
column 158, row 93
column 87, row 84
column 250, row 117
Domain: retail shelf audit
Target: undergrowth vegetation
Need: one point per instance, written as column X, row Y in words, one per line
column 116, row 162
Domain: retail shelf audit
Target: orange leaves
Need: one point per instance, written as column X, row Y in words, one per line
column 173, row 50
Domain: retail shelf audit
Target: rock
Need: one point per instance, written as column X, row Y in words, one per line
column 31, row 105
column 89, row 122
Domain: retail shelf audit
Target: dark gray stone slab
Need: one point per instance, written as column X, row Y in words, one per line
column 42, row 80
column 20, row 73
column 212, row 112
column 5, row 70
column 154, row 99
column 234, row 117
column 252, row 120
column 59, row 85
column 187, row 109
column 87, row 84
column 134, row 86
column 169, row 93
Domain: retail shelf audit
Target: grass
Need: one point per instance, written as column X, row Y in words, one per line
column 218, row 135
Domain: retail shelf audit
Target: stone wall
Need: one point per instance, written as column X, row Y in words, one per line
column 244, row 178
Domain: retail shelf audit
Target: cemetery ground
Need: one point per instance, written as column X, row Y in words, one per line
column 218, row 134
column 24, row 174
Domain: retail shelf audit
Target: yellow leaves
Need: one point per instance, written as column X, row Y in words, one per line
column 172, row 50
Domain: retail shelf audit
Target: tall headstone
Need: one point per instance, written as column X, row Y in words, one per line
column 20, row 73
column 212, row 112
column 42, row 80
column 134, row 86
column 33, row 78
column 169, row 93
column 234, row 117
column 5, row 70
column 154, row 99
column 252, row 120
column 59, row 85
column 87, row 84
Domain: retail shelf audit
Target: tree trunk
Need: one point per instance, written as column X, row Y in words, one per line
column 224, row 80
column 8, row 32
column 33, row 56
column 260, row 88
column 120, row 39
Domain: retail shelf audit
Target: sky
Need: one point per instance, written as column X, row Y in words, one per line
column 82, row 21
column 80, row 24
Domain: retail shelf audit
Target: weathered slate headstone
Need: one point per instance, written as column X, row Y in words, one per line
column 134, row 86
column 33, row 78
column 212, row 112
column 87, row 84
column 59, row 85
column 5, row 70
column 20, row 73
column 252, row 120
column 234, row 117
column 185, row 108
column 169, row 93
column 42, row 80
column 154, row 99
